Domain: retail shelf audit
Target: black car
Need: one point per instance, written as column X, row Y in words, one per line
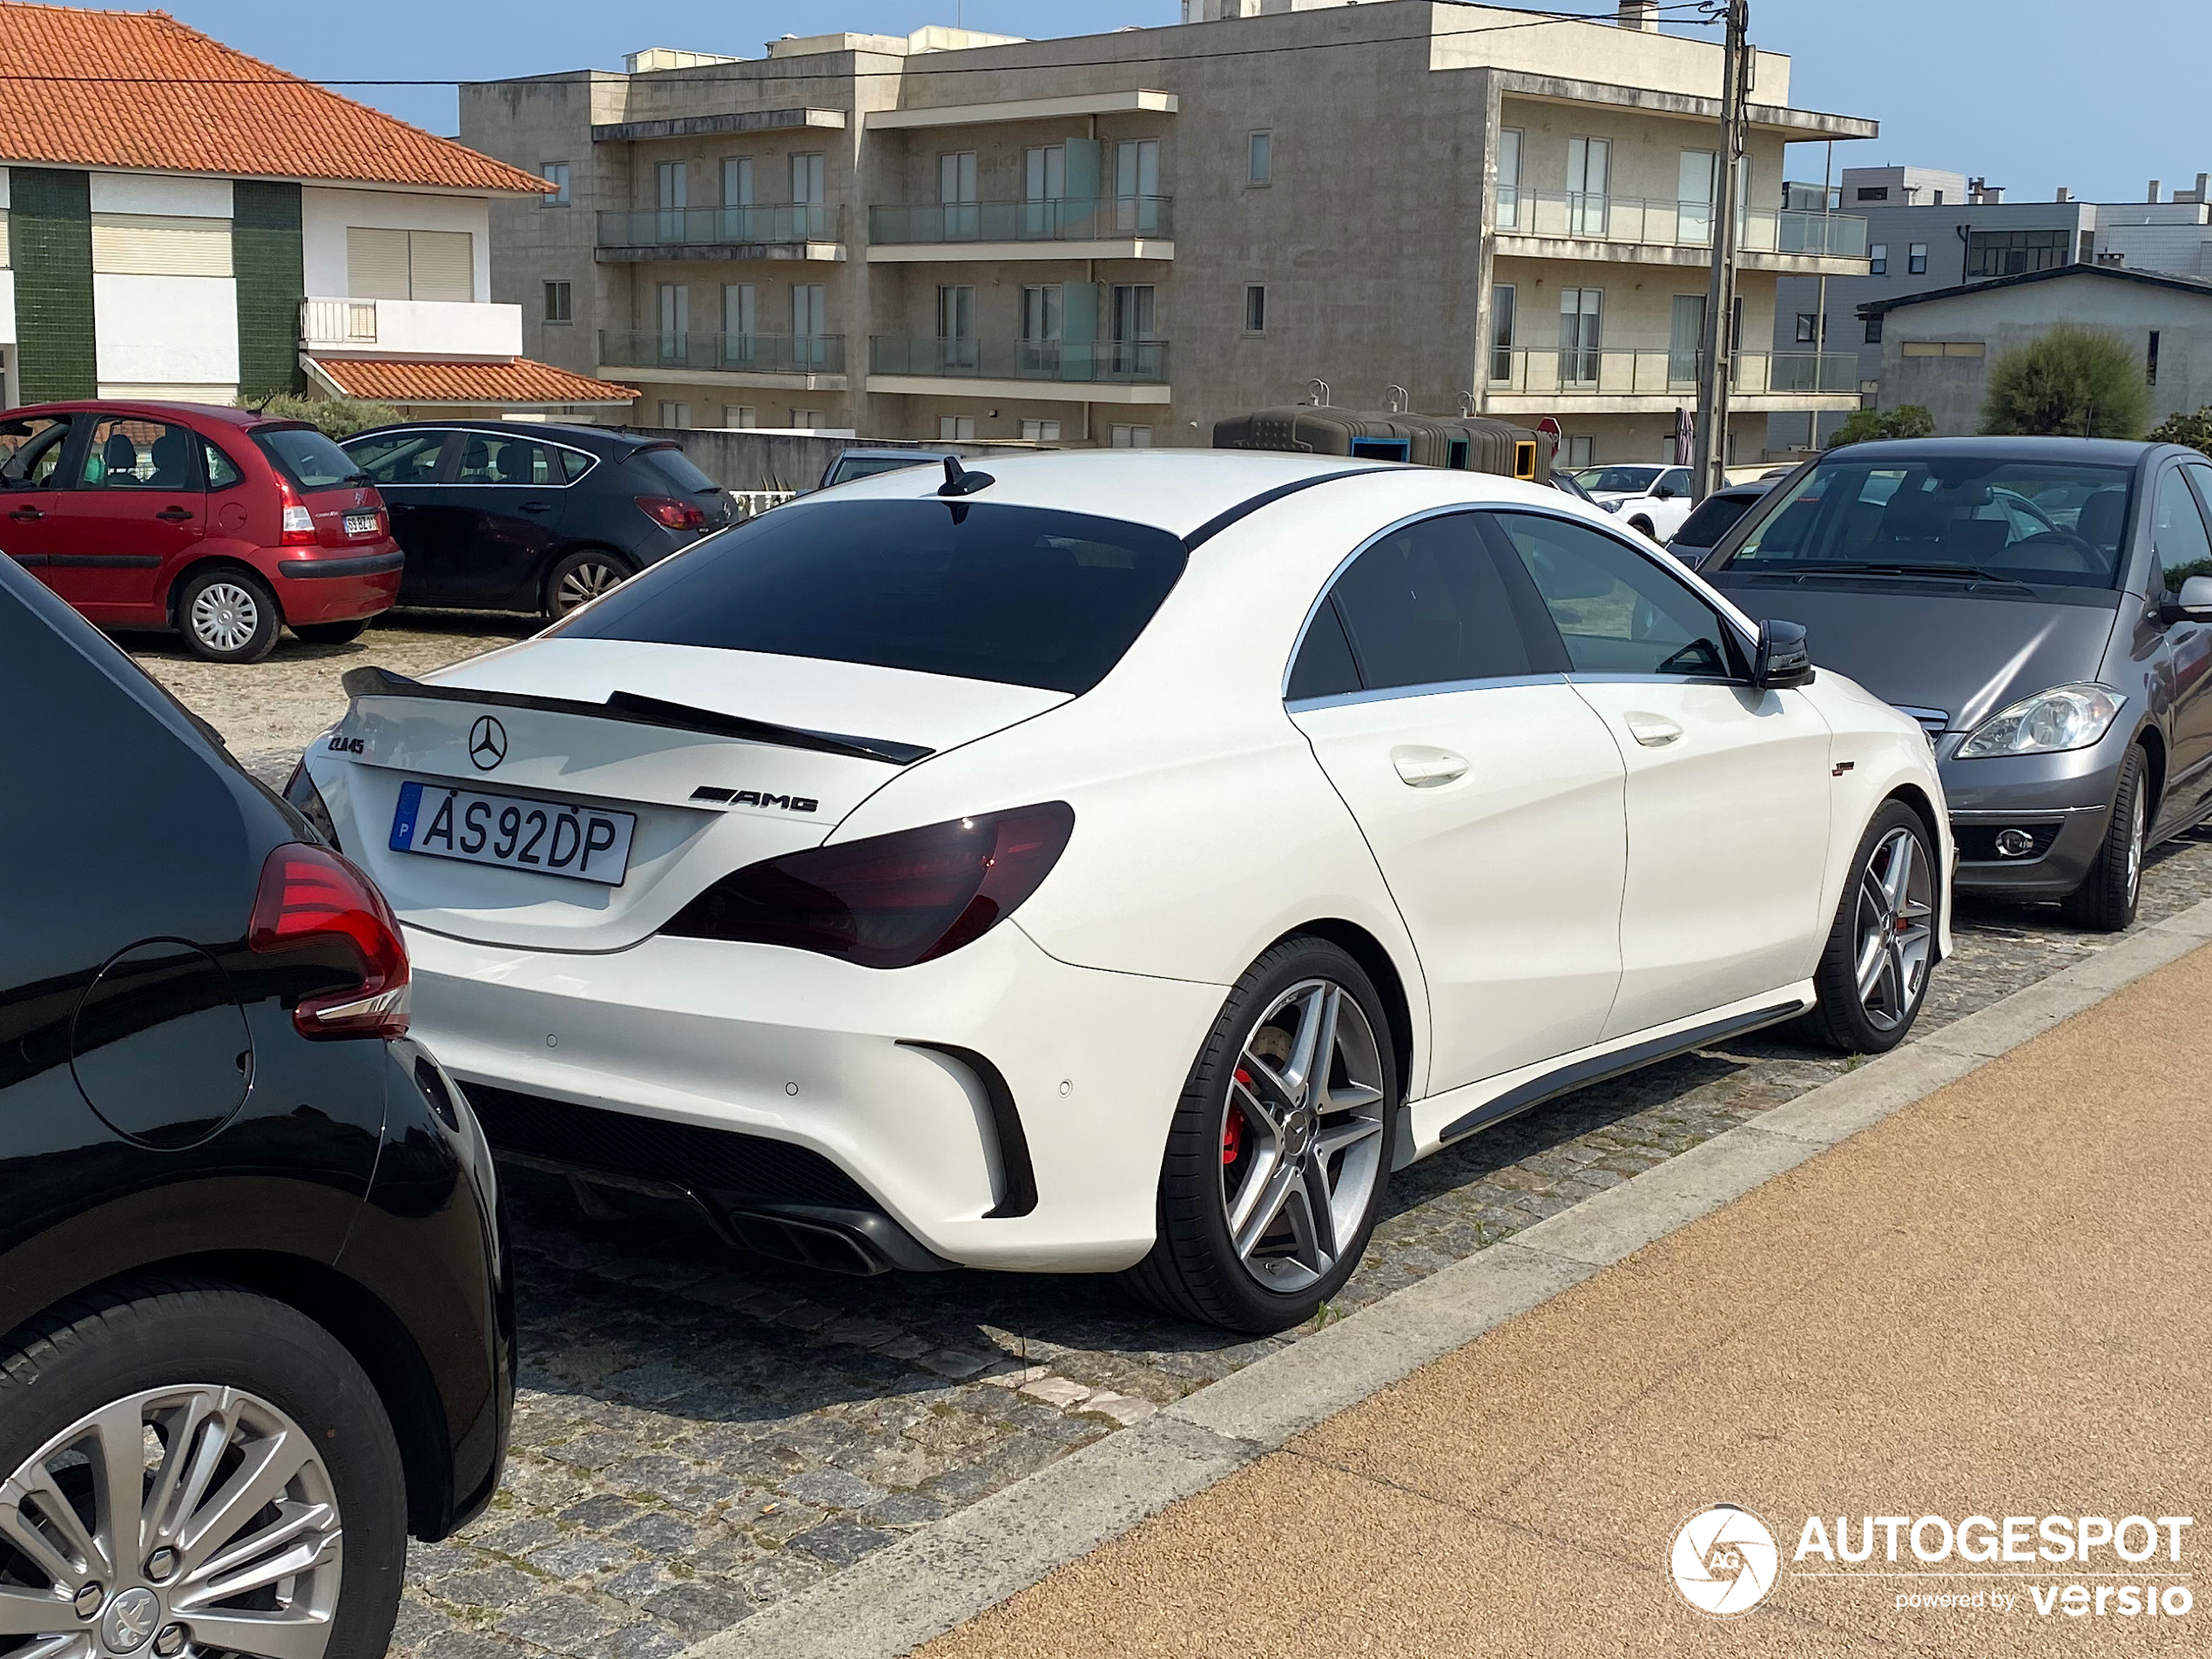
column 252, row 1291
column 527, row 516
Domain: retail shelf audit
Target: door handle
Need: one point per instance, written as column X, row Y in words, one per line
column 1653, row 731
column 1428, row 768
column 537, row 506
column 174, row 514
column 25, row 514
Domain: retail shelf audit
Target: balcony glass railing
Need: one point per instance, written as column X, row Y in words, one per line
column 792, row 222
column 1578, row 372
column 1676, row 224
column 723, row 354
column 1070, row 218
column 1140, row 363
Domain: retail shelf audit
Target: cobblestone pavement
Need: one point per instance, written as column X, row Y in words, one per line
column 700, row 1432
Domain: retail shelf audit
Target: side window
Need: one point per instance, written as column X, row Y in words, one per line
column 574, row 464
column 1426, row 606
column 1675, row 481
column 2178, row 531
column 127, row 452
column 399, row 457
column 494, row 458
column 1616, row 613
column 33, row 448
column 222, row 471
column 1324, row 667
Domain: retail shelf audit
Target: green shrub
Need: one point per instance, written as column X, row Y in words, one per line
column 2193, row 430
column 338, row 417
column 2069, row 382
column 1870, row 426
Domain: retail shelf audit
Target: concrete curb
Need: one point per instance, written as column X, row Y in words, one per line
column 891, row 1602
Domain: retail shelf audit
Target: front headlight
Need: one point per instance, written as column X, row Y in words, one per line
column 2066, row 717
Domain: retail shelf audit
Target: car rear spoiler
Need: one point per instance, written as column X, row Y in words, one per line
column 633, row 710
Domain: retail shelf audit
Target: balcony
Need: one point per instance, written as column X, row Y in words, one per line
column 1768, row 239
column 1102, row 371
column 813, row 362
column 1632, row 380
column 790, row 231
column 1105, row 227
column 422, row 329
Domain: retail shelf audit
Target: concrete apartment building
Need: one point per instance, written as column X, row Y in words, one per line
column 1119, row 238
column 179, row 221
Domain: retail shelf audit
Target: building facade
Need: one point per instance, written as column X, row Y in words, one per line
column 179, row 221
column 1120, row 239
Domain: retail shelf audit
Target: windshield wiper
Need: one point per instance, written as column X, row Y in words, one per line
column 1956, row 572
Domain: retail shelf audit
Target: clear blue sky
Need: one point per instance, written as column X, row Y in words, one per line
column 2030, row 94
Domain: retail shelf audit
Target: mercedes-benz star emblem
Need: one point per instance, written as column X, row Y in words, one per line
column 487, row 743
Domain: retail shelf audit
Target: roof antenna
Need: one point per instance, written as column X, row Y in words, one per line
column 960, row 482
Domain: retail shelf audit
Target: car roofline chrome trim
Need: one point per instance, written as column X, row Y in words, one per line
column 1435, row 688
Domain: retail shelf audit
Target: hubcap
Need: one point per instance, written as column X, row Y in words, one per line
column 1895, row 923
column 224, row 615
column 1302, row 1135
column 220, row 1486
column 586, row 581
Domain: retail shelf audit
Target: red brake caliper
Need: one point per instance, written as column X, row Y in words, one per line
column 1232, row 1124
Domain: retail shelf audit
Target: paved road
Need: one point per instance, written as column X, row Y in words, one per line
column 700, row 1432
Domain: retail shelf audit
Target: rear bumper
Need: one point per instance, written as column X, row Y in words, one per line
column 340, row 586
column 896, row 1083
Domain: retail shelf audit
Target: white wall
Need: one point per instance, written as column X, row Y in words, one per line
column 155, row 192
column 166, row 331
column 7, row 307
column 326, row 213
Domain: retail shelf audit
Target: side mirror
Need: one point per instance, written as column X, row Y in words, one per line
column 2195, row 601
column 1662, row 492
column 1781, row 660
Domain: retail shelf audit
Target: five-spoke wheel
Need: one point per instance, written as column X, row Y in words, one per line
column 1873, row 972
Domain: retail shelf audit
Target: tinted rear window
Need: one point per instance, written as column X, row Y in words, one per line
column 307, row 458
column 675, row 467
column 1021, row 596
column 1714, row 518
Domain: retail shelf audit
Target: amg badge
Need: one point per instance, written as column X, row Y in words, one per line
column 755, row 797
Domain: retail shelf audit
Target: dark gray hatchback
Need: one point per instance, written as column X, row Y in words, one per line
column 2043, row 606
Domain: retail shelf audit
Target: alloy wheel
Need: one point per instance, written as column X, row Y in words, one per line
column 584, row 582
column 177, row 1523
column 1302, row 1135
column 1896, row 924
column 224, row 615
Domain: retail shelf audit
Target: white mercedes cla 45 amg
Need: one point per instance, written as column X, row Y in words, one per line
column 1122, row 863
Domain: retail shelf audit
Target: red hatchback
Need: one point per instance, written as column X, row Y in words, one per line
column 214, row 522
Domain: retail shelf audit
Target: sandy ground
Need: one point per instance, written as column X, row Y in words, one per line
column 1994, row 1304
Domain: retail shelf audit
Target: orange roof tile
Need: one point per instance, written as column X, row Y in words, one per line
column 384, row 379
column 138, row 90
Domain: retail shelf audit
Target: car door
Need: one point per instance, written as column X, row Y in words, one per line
column 1727, row 786
column 1490, row 793
column 32, row 451
column 2184, row 548
column 1670, row 504
column 406, row 463
column 135, row 511
column 506, row 498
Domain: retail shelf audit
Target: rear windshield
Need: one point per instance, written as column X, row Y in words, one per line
column 676, row 467
column 1714, row 518
column 2040, row 522
column 1021, row 596
column 304, row 455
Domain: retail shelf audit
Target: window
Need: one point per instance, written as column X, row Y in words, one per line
column 495, row 458
column 1697, row 176
column 2150, row 360
column 740, row 323
column 222, row 471
column 1041, row 431
column 1617, row 613
column 33, row 448
column 1686, row 340
column 741, row 415
column 1426, row 605
column 1994, row 254
column 1916, row 259
column 1580, row 451
column 1938, row 199
column 1045, row 173
column 1874, row 329
column 672, row 180
column 1808, row 328
column 1259, row 158
column 1674, row 483
column 303, row 454
column 674, row 303
column 1129, row 437
column 807, row 178
column 675, row 415
column 1877, row 260
column 1509, row 142
column 956, row 346
column 130, row 454
column 737, row 181
column 956, row 176
column 1135, row 310
column 410, row 264
column 1873, row 192
column 808, row 420
column 403, row 457
column 1255, row 309
column 809, row 324
column 1589, row 171
column 1502, row 301
column 1017, row 595
column 956, row 429
column 2178, row 531
column 556, row 174
column 557, row 302
column 1041, row 313
column 1582, row 321
column 1137, row 186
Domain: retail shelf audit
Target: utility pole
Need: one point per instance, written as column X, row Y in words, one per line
column 1719, row 355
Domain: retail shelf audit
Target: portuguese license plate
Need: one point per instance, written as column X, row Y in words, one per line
column 360, row 524
column 544, row 837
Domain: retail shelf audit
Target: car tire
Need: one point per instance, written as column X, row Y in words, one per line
column 577, row 578
column 1884, row 926
column 329, row 633
column 1249, row 1137
column 178, row 1359
column 2106, row 901
column 229, row 615
column 1646, row 526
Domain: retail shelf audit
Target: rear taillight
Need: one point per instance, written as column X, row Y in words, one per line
column 299, row 523
column 318, row 910
column 669, row 512
column 891, row 900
